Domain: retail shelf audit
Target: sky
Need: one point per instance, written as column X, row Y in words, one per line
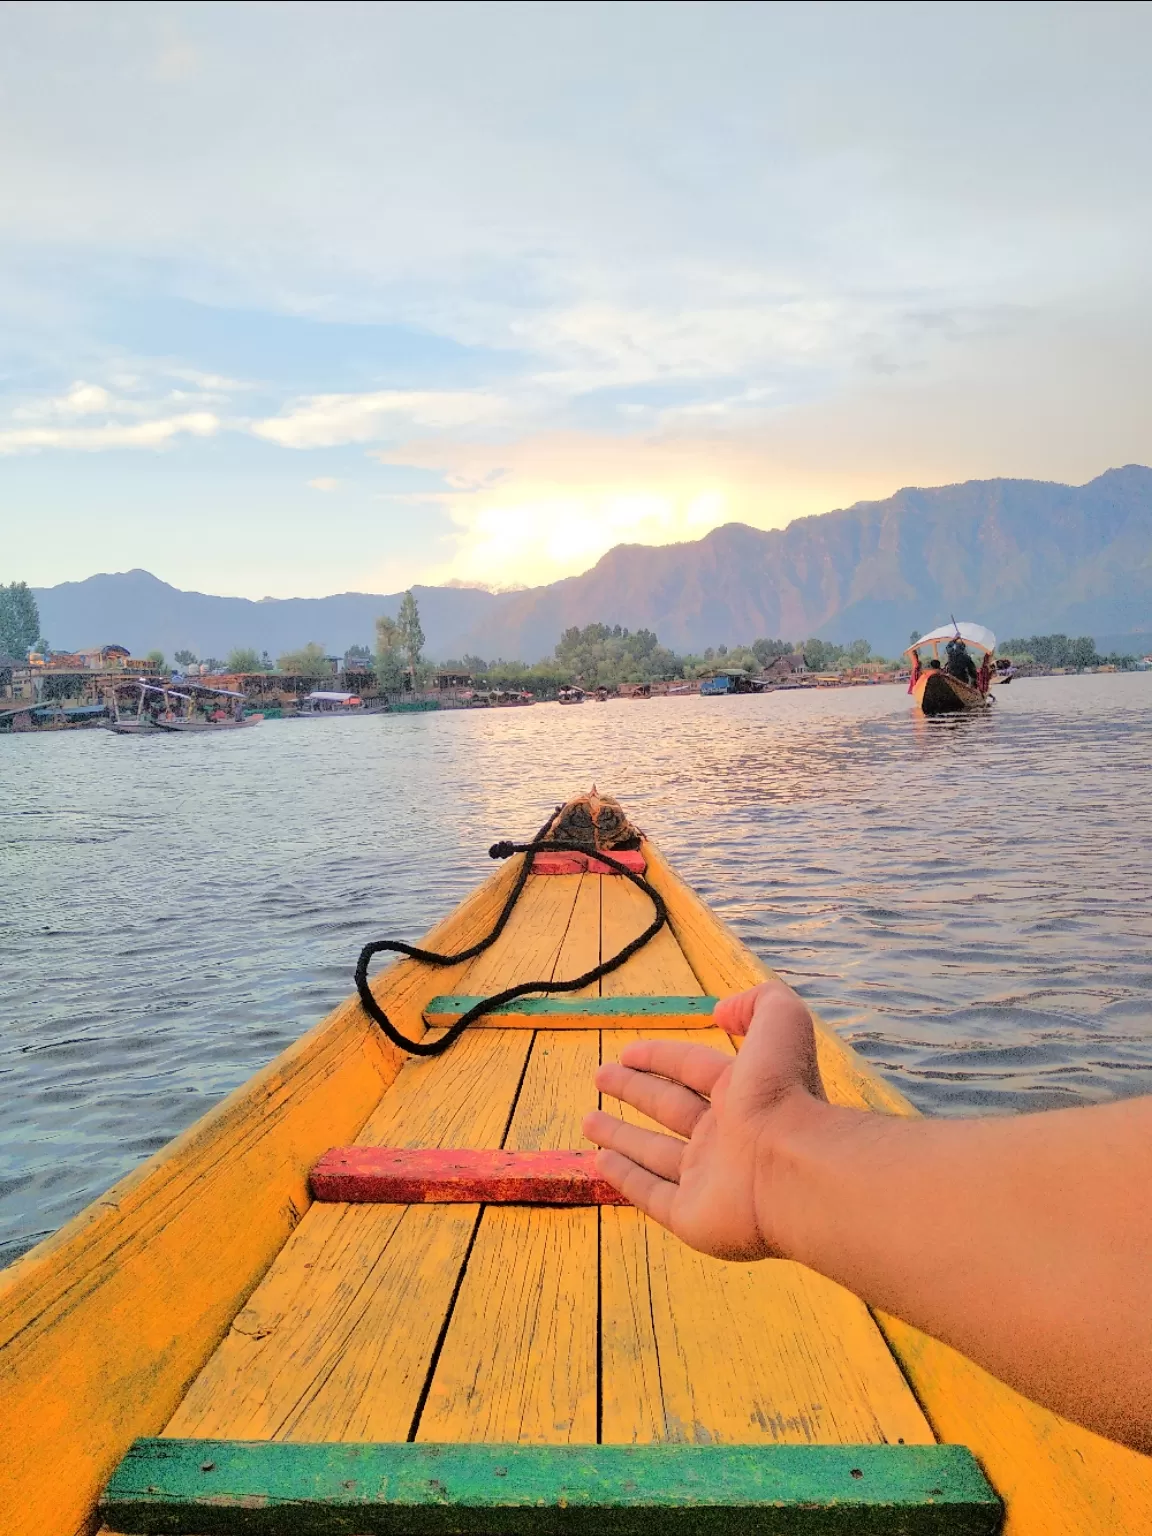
column 299, row 299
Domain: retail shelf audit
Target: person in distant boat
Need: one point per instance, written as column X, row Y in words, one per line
column 934, row 664
column 1025, row 1242
column 1006, row 669
column 959, row 664
column 917, row 670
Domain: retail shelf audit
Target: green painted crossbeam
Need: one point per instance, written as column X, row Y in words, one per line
column 282, row 1488
column 558, row 1011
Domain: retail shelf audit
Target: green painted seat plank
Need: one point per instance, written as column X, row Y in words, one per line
column 582, row 1007
column 282, row 1488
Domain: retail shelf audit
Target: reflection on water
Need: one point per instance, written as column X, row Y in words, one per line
column 965, row 898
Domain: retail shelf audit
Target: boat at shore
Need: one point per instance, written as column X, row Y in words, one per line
column 162, row 709
column 955, row 684
column 380, row 1292
column 322, row 703
column 568, row 695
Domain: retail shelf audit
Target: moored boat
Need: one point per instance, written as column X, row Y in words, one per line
column 571, row 696
column 955, row 684
column 264, row 1329
column 727, row 680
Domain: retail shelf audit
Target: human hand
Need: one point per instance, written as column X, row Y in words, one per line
column 709, row 1183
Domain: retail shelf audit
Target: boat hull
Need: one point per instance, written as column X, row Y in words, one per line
column 938, row 693
column 104, row 1327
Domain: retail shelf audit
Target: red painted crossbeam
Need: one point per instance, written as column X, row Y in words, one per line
column 586, row 863
column 430, row 1175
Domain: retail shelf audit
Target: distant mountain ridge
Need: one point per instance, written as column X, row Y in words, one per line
column 1022, row 556
column 137, row 609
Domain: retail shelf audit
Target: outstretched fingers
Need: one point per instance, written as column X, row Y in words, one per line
column 654, row 1196
column 659, row 1098
column 696, row 1066
column 659, row 1154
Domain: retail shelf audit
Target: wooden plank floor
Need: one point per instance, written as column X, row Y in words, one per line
column 537, row 1325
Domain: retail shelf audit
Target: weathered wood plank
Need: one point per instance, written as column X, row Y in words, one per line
column 454, row 1490
column 528, row 948
column 660, row 968
column 338, row 1339
column 1057, row 1479
column 519, row 1358
column 740, row 1352
column 460, row 1099
column 335, row 1344
column 580, row 951
column 558, row 1090
column 440, row 1176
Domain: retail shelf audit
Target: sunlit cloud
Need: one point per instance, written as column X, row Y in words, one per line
column 329, row 421
column 140, row 434
column 138, row 412
column 323, row 483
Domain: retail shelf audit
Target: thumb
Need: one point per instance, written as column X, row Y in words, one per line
column 779, row 1048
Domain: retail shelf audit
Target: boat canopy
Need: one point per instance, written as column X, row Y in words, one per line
column 228, row 693
column 333, row 698
column 169, row 692
column 972, row 634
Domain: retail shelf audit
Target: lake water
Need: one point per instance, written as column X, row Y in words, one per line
column 966, row 899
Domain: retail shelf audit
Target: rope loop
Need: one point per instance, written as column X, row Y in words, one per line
column 503, row 850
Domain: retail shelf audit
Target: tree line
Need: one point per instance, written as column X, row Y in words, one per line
column 597, row 655
column 1061, row 651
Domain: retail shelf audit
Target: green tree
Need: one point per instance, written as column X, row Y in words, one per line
column 19, row 619
column 767, row 651
column 1053, row 650
column 599, row 655
column 1084, row 652
column 157, row 660
column 242, row 659
column 408, row 622
column 821, row 655
column 389, row 654
column 309, row 661
column 185, row 658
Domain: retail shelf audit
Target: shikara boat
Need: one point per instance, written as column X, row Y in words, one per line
column 936, row 690
column 375, row 1292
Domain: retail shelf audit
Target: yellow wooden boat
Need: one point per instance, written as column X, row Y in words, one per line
column 209, row 1349
column 936, row 690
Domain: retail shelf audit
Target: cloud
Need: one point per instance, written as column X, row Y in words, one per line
column 328, row 421
column 323, row 483
column 140, row 434
column 140, row 410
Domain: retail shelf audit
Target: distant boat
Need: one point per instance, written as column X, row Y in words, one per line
column 570, row 696
column 159, row 711
column 323, row 702
column 731, row 680
column 939, row 688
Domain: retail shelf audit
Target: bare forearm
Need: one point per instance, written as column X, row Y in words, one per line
column 1026, row 1243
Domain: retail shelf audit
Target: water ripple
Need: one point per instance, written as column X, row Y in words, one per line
column 966, row 899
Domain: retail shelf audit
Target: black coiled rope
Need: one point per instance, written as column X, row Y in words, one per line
column 493, row 1004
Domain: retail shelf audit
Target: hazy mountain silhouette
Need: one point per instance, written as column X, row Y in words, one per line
column 1023, row 556
column 137, row 609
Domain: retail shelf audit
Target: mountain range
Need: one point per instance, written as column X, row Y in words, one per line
column 1022, row 556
